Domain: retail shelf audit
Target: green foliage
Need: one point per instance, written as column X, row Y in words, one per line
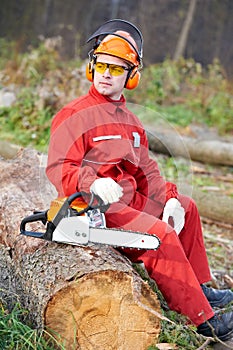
column 16, row 335
column 186, row 93
column 180, row 334
column 220, row 111
column 41, row 80
column 24, row 123
column 28, row 68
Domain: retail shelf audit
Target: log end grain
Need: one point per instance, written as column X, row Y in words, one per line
column 104, row 310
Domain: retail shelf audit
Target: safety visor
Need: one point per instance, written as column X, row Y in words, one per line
column 114, row 25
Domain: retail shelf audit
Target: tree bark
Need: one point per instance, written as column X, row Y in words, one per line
column 89, row 297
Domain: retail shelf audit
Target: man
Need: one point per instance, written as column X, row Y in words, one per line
column 97, row 145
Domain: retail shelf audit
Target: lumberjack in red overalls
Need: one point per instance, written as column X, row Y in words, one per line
column 98, row 145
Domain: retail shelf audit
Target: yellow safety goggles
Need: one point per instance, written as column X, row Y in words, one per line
column 114, row 69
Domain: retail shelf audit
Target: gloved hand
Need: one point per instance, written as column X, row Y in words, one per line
column 107, row 189
column 174, row 210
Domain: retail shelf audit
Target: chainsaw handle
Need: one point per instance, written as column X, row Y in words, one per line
column 89, row 206
column 38, row 216
column 76, row 195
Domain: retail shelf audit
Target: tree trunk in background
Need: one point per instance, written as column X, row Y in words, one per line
column 176, row 145
column 89, row 296
column 211, row 204
column 214, row 206
column 183, row 38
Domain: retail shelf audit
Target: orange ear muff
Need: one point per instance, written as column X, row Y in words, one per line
column 89, row 71
column 133, row 79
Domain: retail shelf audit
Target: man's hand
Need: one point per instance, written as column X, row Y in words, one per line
column 176, row 212
column 107, row 189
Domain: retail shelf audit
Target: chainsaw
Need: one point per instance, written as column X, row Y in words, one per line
column 73, row 221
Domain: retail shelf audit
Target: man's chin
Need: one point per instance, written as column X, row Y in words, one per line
column 104, row 90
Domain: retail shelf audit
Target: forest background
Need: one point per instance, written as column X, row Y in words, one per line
column 208, row 24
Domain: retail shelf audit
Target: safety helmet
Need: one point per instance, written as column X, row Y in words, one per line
column 120, row 39
column 120, row 44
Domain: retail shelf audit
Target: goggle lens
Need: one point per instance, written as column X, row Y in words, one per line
column 114, row 69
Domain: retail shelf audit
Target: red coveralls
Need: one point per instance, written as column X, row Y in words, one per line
column 95, row 137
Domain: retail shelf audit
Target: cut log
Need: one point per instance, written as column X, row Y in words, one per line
column 88, row 297
column 206, row 151
column 101, row 310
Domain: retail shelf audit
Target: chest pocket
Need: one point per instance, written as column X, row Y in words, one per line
column 113, row 148
column 105, row 149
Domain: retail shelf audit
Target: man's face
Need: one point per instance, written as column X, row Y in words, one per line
column 107, row 84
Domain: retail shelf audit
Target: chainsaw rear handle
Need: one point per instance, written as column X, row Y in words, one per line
column 36, row 216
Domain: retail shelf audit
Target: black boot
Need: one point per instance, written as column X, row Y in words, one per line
column 220, row 325
column 218, row 297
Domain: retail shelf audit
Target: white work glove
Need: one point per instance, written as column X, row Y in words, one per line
column 174, row 210
column 107, row 189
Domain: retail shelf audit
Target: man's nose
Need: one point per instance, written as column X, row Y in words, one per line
column 107, row 73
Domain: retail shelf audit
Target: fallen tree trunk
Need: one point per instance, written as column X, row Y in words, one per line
column 91, row 297
column 215, row 206
column 206, row 151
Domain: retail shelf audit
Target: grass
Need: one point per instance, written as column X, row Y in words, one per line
column 15, row 334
